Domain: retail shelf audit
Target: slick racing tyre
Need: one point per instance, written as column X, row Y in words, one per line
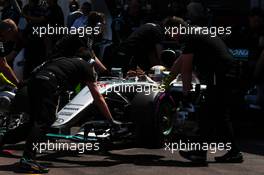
column 154, row 119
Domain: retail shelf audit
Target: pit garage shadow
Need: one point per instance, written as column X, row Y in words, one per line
column 71, row 159
column 110, row 159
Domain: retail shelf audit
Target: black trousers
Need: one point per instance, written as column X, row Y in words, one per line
column 43, row 99
column 214, row 121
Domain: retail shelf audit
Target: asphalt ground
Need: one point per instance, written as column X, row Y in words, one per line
column 138, row 161
column 126, row 159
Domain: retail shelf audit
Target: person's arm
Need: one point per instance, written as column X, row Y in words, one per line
column 99, row 65
column 99, row 101
column 182, row 65
column 176, row 67
column 154, row 57
column 186, row 71
column 174, row 71
column 7, row 71
column 86, row 52
column 159, row 49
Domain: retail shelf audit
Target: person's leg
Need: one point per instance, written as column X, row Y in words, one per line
column 43, row 104
column 206, row 128
column 212, row 117
column 224, row 126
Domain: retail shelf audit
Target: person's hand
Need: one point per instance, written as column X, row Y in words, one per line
column 131, row 73
column 167, row 80
column 134, row 73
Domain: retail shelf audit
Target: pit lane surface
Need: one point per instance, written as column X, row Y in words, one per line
column 138, row 161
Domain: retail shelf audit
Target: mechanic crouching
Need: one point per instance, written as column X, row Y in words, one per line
column 44, row 88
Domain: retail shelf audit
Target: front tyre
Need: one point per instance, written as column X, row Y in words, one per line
column 154, row 118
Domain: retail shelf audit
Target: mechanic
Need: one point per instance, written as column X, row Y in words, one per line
column 44, row 88
column 212, row 59
column 68, row 45
column 34, row 14
column 10, row 11
column 9, row 32
column 75, row 12
column 142, row 48
column 83, row 19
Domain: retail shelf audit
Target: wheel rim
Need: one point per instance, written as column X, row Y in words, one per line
column 166, row 113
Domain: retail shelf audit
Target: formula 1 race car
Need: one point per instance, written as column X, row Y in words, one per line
column 139, row 105
column 149, row 114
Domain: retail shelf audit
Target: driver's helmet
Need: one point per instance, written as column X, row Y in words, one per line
column 168, row 57
column 158, row 69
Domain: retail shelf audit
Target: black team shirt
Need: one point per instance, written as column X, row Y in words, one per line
column 71, row 71
column 143, row 40
column 210, row 53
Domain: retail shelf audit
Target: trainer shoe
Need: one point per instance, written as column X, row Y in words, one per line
column 31, row 166
column 230, row 157
column 194, row 156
